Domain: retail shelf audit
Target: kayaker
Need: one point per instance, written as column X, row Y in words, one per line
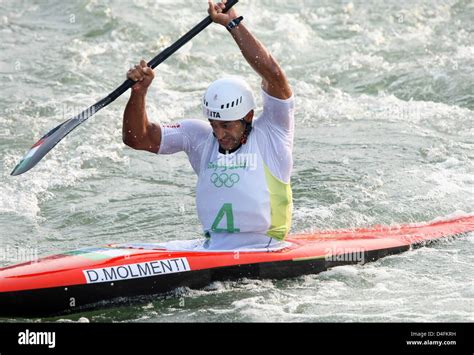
column 243, row 193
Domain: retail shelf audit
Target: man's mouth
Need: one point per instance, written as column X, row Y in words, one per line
column 225, row 141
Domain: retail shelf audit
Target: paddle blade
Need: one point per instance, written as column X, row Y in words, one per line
column 49, row 141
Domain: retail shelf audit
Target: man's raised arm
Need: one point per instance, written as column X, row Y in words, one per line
column 274, row 80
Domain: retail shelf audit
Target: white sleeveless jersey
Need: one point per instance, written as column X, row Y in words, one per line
column 244, row 198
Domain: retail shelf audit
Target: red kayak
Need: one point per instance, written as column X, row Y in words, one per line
column 87, row 278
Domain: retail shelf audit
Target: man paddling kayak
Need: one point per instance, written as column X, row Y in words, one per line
column 243, row 164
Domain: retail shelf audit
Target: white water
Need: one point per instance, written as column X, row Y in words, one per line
column 384, row 136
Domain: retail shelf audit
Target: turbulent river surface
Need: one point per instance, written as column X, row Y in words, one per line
column 384, row 135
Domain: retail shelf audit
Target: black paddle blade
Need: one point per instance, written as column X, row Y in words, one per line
column 45, row 144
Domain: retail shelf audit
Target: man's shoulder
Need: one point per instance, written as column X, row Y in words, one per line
column 277, row 113
column 188, row 123
column 189, row 127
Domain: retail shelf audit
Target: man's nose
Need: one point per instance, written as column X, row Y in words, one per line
column 219, row 133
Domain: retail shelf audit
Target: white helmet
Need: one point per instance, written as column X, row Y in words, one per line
column 228, row 99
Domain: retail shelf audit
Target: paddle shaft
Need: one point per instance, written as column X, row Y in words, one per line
column 165, row 54
column 160, row 58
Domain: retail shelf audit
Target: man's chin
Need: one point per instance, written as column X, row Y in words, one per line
column 224, row 147
column 228, row 146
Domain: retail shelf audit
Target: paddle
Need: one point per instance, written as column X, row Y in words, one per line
column 53, row 137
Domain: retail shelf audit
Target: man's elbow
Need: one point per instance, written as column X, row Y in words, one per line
column 144, row 141
column 276, row 82
column 129, row 141
column 275, row 71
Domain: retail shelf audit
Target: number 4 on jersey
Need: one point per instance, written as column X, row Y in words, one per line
column 226, row 211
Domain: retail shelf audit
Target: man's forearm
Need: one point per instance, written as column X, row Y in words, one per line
column 135, row 120
column 138, row 132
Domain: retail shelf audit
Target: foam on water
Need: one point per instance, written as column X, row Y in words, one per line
column 384, row 105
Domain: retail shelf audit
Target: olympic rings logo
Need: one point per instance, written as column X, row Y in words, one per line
column 224, row 180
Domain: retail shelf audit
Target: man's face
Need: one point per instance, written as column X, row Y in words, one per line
column 228, row 133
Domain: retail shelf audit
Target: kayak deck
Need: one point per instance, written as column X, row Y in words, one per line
column 82, row 279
